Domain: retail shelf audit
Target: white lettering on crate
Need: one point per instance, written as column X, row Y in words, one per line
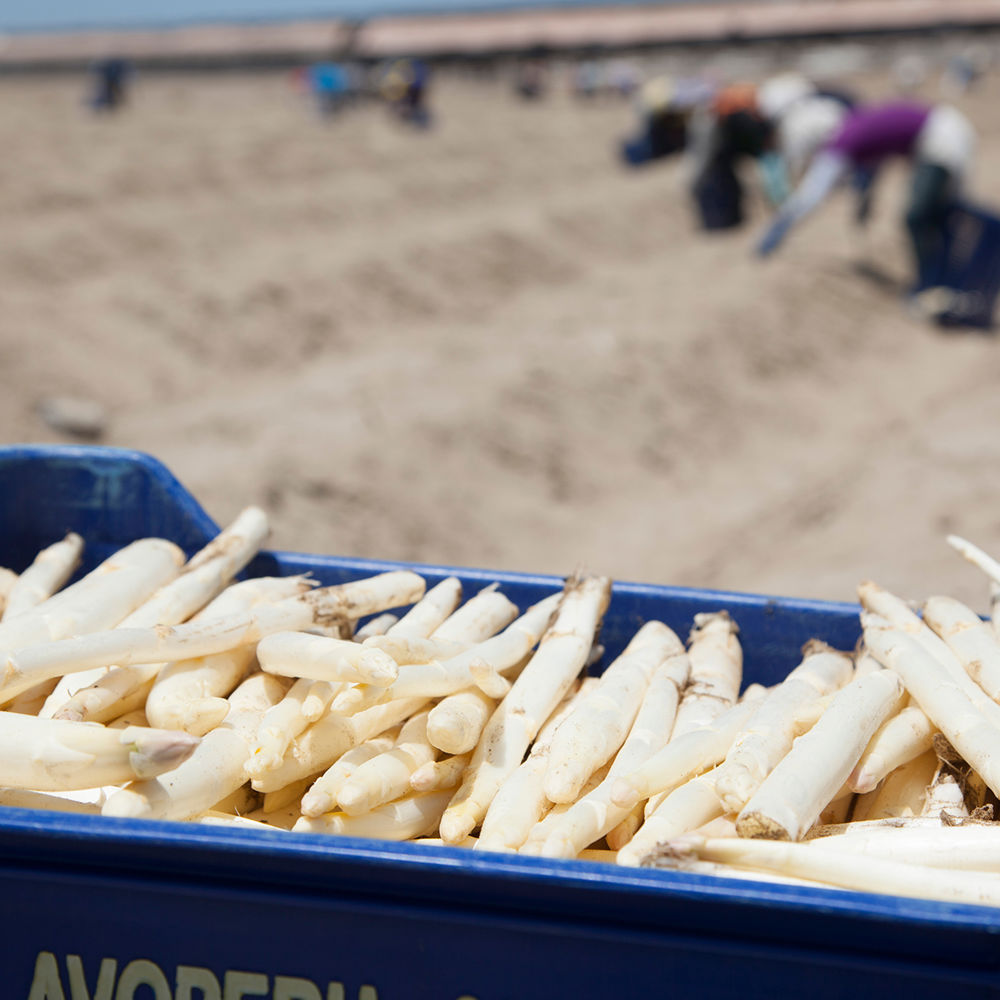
column 191, row 982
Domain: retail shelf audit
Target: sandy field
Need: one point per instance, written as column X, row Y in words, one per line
column 488, row 343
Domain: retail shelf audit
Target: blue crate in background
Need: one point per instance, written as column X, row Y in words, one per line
column 168, row 911
column 972, row 266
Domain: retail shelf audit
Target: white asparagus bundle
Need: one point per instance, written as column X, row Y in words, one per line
column 684, row 757
column 771, row 731
column 848, row 870
column 440, row 774
column 793, row 795
column 900, row 739
column 520, row 801
column 561, row 654
column 456, row 723
column 944, row 698
column 716, row 671
column 216, row 768
column 322, row 794
column 598, row 726
column 101, row 599
column 901, row 794
column 191, row 694
column 202, row 579
column 54, row 755
column 158, row 645
column 403, row 819
column 387, row 775
column 686, row 808
column 49, row 570
column 324, row 741
column 973, row 641
column 595, row 815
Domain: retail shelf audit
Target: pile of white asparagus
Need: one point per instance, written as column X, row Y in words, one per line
column 155, row 686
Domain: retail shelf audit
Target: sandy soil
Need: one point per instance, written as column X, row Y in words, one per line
column 488, row 344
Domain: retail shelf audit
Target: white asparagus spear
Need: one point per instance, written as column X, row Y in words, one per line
column 769, row 735
column 504, row 652
column 412, row 816
column 560, row 656
column 49, row 570
column 440, row 774
column 387, row 776
column 946, row 700
column 976, row 556
column 282, row 798
column 7, row 580
column 944, row 797
column 539, row 833
column 814, row 861
column 969, row 846
column 24, row 798
column 316, row 701
column 900, row 739
column 793, row 795
column 622, row 833
column 415, row 650
column 359, row 598
column 324, row 741
column 902, row 793
column 973, row 641
column 214, row 770
column 899, row 615
column 595, row 815
column 430, row 611
column 716, row 671
column 520, row 802
column 101, row 599
column 321, row 658
column 378, row 625
column 483, row 615
column 322, row 794
column 599, row 724
column 456, row 723
column 685, row 757
column 53, row 755
column 686, row 808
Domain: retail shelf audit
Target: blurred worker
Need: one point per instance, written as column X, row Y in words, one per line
column 111, row 78
column 940, row 143
column 804, row 116
column 730, row 130
column 329, row 84
column 403, row 86
column 664, row 107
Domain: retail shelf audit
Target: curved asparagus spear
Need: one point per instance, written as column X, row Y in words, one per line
column 55, row 755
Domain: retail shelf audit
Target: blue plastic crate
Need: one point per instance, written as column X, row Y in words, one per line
column 971, row 266
column 170, row 911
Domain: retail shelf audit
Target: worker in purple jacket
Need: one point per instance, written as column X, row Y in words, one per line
column 939, row 141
